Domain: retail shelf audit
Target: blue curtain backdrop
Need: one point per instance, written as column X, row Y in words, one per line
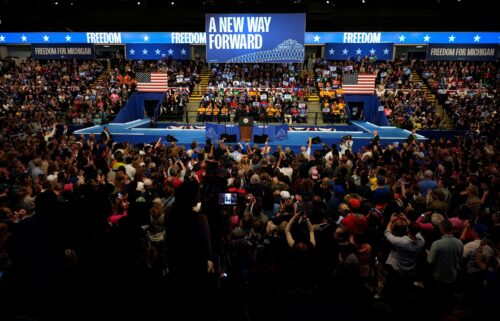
column 371, row 109
column 134, row 108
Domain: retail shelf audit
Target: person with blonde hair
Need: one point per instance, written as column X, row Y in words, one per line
column 156, row 231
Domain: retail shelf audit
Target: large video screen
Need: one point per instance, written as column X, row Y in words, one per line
column 242, row 38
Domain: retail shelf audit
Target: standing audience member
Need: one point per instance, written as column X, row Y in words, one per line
column 445, row 258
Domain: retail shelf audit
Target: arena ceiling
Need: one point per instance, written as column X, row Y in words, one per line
column 188, row 15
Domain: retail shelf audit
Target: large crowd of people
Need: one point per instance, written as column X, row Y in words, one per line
column 228, row 228
column 267, row 92
column 404, row 101
column 183, row 79
column 467, row 90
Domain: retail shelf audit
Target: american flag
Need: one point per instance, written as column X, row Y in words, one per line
column 358, row 84
column 152, row 82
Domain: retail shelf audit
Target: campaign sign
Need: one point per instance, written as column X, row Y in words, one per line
column 244, row 38
column 462, row 52
column 63, row 51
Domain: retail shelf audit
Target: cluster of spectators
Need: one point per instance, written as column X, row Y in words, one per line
column 373, row 231
column 39, row 93
column 183, row 79
column 457, row 75
column 181, row 73
column 410, row 109
column 383, row 224
column 394, row 79
column 467, row 90
column 267, row 92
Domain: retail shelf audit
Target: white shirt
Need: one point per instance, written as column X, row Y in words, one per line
column 329, row 155
column 130, row 170
column 288, row 171
column 347, row 145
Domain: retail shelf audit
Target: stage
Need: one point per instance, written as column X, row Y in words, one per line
column 138, row 131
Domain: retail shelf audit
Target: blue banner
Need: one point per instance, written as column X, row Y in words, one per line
column 213, row 131
column 63, row 51
column 462, row 52
column 273, row 132
column 402, row 37
column 199, row 38
column 238, row 38
column 339, row 51
column 152, row 51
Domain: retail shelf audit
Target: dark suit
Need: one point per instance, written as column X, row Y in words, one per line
column 106, row 136
column 411, row 138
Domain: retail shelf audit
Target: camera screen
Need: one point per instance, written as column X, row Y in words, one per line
column 228, row 198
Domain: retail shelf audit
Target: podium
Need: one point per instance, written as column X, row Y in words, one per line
column 246, row 128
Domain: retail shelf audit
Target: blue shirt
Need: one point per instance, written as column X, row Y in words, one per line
column 425, row 185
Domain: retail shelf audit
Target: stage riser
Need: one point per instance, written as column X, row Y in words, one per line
column 137, row 132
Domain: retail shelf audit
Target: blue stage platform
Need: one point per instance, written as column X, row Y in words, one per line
column 137, row 131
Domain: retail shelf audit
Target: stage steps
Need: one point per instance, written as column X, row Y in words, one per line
column 314, row 107
column 102, row 76
column 445, row 122
column 204, row 77
column 428, row 94
column 313, row 97
column 192, row 108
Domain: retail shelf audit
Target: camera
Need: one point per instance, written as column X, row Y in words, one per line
column 228, row 198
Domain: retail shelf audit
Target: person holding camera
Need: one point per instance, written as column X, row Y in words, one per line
column 300, row 242
column 402, row 262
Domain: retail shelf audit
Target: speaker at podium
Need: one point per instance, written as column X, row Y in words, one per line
column 246, row 128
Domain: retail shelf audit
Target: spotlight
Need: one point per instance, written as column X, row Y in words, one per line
column 138, row 3
column 172, row 3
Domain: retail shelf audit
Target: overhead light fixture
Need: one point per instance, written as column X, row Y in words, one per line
column 138, row 3
column 172, row 3
column 419, row 46
column 363, row 1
